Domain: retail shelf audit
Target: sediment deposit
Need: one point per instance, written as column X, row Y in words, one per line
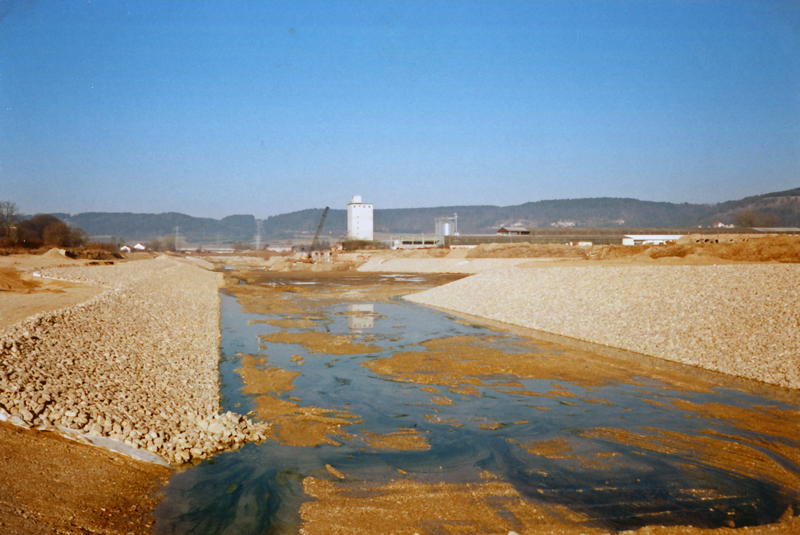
column 137, row 363
column 741, row 319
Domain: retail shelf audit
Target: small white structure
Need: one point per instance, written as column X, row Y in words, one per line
column 139, row 247
column 359, row 219
column 650, row 239
column 125, row 249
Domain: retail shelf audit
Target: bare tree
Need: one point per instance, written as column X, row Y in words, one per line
column 9, row 217
column 168, row 242
column 57, row 234
column 78, row 237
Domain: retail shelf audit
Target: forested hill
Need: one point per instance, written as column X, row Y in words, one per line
column 773, row 209
column 127, row 227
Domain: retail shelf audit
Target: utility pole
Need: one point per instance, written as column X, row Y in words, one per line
column 258, row 234
column 177, row 237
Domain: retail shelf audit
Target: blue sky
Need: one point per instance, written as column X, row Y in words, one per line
column 219, row 108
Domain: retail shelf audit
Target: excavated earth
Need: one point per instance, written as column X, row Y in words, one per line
column 137, row 363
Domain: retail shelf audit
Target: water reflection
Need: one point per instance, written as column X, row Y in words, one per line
column 360, row 317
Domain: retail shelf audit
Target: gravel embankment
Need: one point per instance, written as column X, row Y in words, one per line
column 742, row 320
column 439, row 265
column 138, row 363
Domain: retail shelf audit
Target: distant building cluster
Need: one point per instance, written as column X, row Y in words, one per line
column 138, row 247
column 650, row 239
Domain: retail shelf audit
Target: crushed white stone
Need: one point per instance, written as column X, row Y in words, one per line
column 138, row 363
column 742, row 320
column 379, row 264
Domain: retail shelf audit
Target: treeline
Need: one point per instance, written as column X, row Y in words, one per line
column 38, row 231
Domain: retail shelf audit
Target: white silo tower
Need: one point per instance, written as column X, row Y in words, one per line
column 359, row 219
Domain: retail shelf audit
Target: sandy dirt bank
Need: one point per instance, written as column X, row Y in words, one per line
column 22, row 294
column 50, row 484
column 737, row 319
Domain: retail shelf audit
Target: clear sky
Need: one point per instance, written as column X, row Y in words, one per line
column 266, row 107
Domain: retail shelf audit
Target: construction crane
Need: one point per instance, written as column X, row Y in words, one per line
column 319, row 229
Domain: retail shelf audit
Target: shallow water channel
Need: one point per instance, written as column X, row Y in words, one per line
column 416, row 395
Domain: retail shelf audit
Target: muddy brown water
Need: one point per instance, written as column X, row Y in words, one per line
column 373, row 397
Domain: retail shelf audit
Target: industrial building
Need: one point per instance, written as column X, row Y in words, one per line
column 514, row 230
column 416, row 241
column 359, row 219
column 445, row 227
column 650, row 239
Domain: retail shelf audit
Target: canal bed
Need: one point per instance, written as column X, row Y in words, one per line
column 378, row 402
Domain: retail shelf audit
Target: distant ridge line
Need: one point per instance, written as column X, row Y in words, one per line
column 781, row 208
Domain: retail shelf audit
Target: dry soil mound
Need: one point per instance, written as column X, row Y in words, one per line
column 10, row 281
column 527, row 250
column 55, row 253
